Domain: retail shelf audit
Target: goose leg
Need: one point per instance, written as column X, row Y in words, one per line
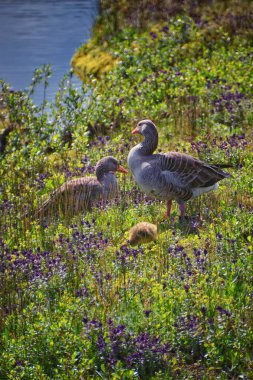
column 182, row 210
column 169, row 203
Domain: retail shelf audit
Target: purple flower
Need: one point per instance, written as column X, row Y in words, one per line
column 223, row 311
column 165, row 29
column 120, row 101
column 153, row 35
column 101, row 344
column 147, row 312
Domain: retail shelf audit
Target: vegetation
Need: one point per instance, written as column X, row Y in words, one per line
column 77, row 301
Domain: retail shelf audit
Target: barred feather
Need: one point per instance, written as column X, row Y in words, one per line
column 81, row 194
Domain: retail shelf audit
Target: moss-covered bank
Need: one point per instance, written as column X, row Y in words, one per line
column 98, row 56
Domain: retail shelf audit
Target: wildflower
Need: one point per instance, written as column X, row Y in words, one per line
column 147, row 312
column 153, row 35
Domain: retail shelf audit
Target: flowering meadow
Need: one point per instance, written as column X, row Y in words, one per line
column 77, row 300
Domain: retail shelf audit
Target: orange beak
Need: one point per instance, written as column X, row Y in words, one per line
column 135, row 131
column 121, row 169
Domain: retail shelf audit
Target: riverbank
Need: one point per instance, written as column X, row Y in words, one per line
column 98, row 56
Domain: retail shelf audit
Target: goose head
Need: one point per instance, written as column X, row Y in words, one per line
column 107, row 165
column 147, row 129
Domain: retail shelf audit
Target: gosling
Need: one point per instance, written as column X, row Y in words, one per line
column 142, row 232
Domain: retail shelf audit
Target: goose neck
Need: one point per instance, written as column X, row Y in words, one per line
column 109, row 183
column 149, row 145
column 100, row 173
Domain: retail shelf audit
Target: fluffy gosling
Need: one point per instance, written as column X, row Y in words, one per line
column 142, row 232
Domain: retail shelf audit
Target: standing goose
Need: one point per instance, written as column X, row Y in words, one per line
column 170, row 175
column 82, row 193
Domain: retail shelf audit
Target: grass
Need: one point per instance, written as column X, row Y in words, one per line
column 77, row 301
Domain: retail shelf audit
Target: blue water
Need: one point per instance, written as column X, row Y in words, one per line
column 38, row 32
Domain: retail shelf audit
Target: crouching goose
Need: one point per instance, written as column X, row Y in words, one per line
column 82, row 193
column 172, row 175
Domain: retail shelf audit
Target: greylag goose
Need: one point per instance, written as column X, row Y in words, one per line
column 142, row 232
column 171, row 175
column 82, row 193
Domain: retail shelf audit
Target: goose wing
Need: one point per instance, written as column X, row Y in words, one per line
column 83, row 187
column 73, row 196
column 188, row 172
column 80, row 193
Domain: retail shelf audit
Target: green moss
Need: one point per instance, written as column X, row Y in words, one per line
column 92, row 60
column 97, row 57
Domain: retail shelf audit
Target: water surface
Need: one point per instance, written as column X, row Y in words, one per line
column 37, row 32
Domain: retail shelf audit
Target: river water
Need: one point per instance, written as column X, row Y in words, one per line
column 38, row 32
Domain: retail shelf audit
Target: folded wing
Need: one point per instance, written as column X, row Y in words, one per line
column 189, row 172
